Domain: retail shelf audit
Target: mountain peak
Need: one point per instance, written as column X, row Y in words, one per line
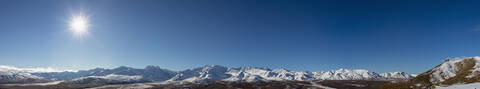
column 350, row 70
column 281, row 70
column 152, row 67
column 123, row 68
column 213, row 66
column 397, row 75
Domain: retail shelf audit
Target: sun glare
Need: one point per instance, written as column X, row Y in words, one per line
column 79, row 25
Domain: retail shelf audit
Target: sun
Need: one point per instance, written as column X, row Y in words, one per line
column 79, row 25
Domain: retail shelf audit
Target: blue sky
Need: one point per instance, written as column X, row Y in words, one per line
column 381, row 36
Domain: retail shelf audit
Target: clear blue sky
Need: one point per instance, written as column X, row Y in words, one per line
column 381, row 36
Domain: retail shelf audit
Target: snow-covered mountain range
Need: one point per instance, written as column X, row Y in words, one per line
column 206, row 73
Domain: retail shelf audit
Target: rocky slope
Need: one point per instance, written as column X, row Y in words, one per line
column 451, row 71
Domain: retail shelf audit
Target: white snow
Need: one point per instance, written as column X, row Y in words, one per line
column 402, row 75
column 448, row 69
column 346, row 74
column 461, row 86
column 15, row 75
column 476, row 68
column 250, row 74
column 215, row 72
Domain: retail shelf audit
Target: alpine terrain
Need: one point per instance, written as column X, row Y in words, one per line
column 154, row 76
column 457, row 73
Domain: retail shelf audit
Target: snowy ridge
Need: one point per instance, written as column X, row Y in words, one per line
column 448, row 69
column 149, row 73
column 16, row 75
column 461, row 86
column 19, row 77
column 209, row 73
column 250, row 74
column 400, row 75
column 262, row 74
column 476, row 68
column 455, row 73
column 346, row 74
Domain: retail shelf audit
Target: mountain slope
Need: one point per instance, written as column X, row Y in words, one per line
column 207, row 73
column 456, row 71
column 19, row 77
column 16, row 75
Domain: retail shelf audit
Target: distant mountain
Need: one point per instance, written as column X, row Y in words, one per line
column 451, row 71
column 346, row 74
column 13, row 75
column 110, row 79
column 249, row 74
column 397, row 75
column 207, row 73
column 212, row 73
column 150, row 73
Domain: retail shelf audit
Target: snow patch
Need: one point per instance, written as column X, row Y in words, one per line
column 461, row 86
column 444, row 71
column 476, row 68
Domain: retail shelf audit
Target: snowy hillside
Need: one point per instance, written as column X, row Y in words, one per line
column 450, row 68
column 461, row 86
column 452, row 72
column 17, row 75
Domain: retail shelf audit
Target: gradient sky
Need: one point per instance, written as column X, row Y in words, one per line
column 320, row 35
